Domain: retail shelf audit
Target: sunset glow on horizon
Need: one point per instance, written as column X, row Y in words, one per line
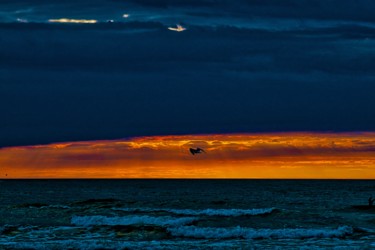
column 68, row 20
column 266, row 155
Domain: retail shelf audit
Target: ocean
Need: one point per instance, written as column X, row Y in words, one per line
column 186, row 214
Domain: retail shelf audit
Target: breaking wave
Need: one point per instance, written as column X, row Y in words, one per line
column 206, row 212
column 130, row 220
column 56, row 207
column 250, row 233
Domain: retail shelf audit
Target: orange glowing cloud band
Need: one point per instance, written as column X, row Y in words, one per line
column 67, row 20
column 271, row 155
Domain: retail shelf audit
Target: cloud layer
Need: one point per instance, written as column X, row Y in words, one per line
column 276, row 155
column 239, row 67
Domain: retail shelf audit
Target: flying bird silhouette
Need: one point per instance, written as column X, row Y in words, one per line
column 194, row 151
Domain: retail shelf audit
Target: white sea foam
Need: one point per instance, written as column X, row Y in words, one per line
column 223, row 212
column 205, row 212
column 250, row 233
column 234, row 238
column 130, row 220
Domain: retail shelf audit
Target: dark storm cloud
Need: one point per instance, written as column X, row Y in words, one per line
column 121, row 47
column 106, row 81
column 321, row 9
column 361, row 10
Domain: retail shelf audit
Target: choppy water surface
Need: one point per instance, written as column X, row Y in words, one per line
column 169, row 214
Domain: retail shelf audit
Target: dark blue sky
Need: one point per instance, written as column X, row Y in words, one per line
column 241, row 66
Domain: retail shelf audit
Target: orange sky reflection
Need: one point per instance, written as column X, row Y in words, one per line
column 268, row 155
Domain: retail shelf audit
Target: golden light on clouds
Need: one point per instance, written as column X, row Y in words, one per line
column 179, row 28
column 271, row 155
column 68, row 20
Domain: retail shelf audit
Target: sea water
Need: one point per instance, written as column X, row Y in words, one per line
column 186, row 214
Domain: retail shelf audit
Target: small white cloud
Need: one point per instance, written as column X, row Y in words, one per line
column 178, row 29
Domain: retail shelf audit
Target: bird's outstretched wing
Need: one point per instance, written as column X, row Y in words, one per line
column 200, row 150
column 194, row 151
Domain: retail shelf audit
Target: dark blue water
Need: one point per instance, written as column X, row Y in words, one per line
column 169, row 214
